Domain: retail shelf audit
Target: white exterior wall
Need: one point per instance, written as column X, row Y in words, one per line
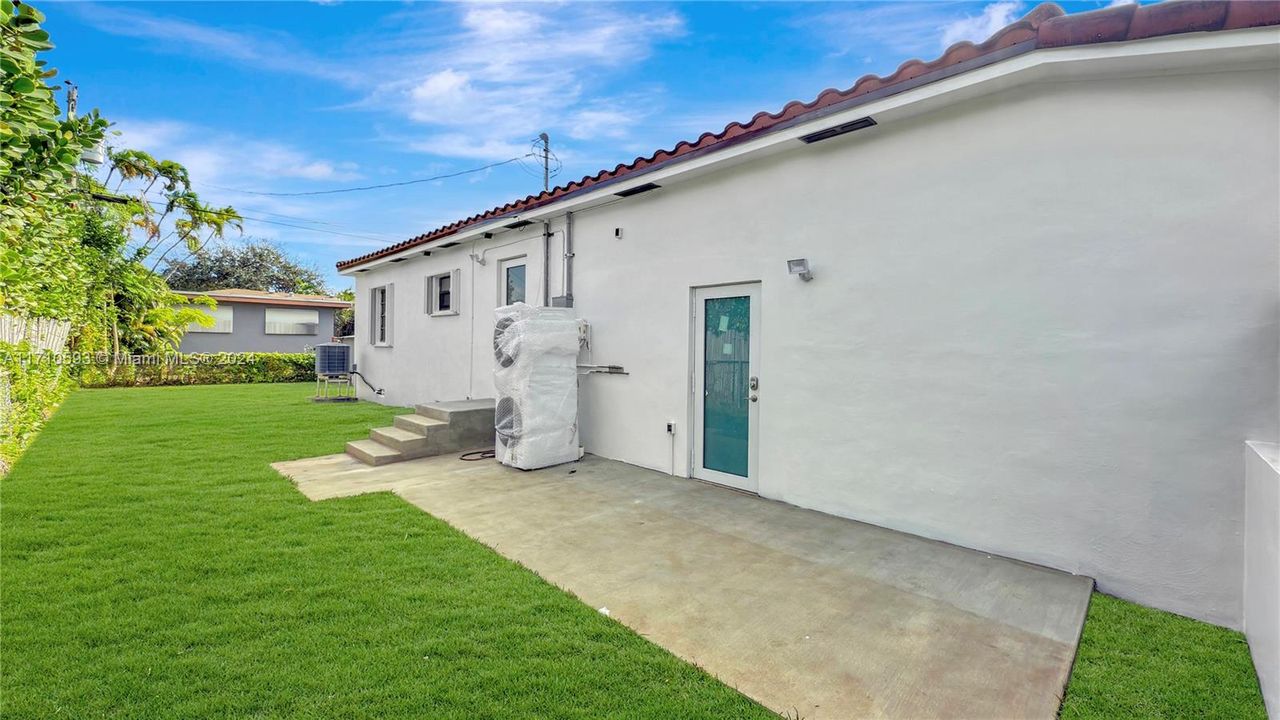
column 442, row 357
column 1262, row 567
column 1041, row 324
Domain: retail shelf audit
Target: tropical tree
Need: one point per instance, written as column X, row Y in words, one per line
column 76, row 247
column 344, row 320
column 41, row 272
column 252, row 265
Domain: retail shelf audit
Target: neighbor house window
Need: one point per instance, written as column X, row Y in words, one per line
column 292, row 321
column 512, row 279
column 381, row 304
column 442, row 293
column 222, row 317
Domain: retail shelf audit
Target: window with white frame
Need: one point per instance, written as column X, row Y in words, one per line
column 381, row 306
column 442, row 293
column 511, row 277
column 222, row 320
column 292, row 321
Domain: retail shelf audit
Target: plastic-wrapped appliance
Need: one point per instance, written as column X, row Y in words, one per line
column 536, row 375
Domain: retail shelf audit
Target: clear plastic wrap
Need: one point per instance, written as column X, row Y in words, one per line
column 536, row 375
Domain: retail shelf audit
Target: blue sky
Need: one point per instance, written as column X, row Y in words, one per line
column 303, row 96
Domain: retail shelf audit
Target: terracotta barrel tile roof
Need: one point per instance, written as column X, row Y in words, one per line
column 1046, row 26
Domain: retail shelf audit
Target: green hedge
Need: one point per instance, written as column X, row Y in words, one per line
column 196, row 369
column 31, row 387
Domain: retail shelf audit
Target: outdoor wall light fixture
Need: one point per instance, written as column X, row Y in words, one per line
column 800, row 266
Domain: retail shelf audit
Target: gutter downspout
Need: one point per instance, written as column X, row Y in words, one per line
column 568, row 259
column 546, row 263
column 471, row 325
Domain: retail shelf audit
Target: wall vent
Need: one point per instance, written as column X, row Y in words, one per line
column 831, row 132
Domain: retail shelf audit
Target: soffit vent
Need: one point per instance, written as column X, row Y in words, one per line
column 637, row 190
column 838, row 130
column 516, row 225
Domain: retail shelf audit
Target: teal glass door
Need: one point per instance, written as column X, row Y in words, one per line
column 726, row 373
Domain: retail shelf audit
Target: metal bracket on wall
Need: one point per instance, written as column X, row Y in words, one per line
column 603, row 369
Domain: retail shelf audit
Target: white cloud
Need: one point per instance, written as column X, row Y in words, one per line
column 982, row 26
column 908, row 29
column 600, row 121
column 266, row 49
column 221, row 158
column 462, row 145
column 504, row 74
column 497, row 74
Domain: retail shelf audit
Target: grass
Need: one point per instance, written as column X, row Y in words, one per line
column 1136, row 662
column 152, row 565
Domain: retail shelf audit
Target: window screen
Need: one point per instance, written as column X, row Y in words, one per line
column 381, row 301
column 292, row 321
column 222, row 317
column 514, row 284
column 442, row 294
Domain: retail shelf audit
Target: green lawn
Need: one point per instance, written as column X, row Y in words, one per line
column 155, row 566
column 152, row 565
column 1135, row 662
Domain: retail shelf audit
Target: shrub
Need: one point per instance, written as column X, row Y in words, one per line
column 31, row 387
column 196, row 369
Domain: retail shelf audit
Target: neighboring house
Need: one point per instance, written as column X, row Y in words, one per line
column 1042, row 320
column 256, row 321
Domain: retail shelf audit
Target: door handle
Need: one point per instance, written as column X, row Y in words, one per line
column 753, row 397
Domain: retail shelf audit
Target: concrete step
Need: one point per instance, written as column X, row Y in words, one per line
column 438, row 428
column 405, row 441
column 471, row 414
column 371, row 452
column 418, row 423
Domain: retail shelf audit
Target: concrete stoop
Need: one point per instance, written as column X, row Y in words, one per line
column 434, row 429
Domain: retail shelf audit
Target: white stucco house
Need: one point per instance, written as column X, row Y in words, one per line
column 1041, row 315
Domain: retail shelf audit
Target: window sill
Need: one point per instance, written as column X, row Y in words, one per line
column 442, row 313
column 382, row 345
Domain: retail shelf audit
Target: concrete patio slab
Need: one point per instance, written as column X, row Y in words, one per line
column 807, row 613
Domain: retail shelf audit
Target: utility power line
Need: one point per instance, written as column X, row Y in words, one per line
column 545, row 156
column 377, row 187
column 282, row 224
